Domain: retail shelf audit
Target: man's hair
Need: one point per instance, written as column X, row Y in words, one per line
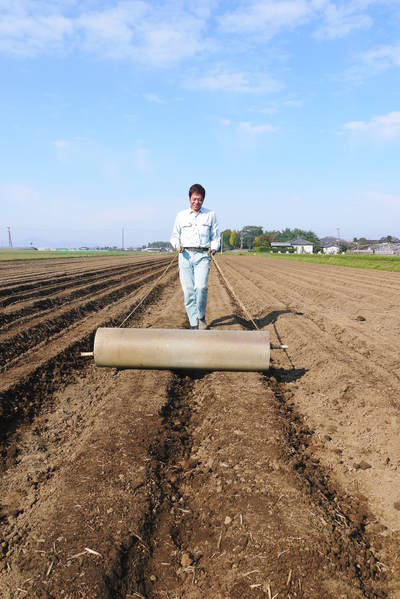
column 197, row 188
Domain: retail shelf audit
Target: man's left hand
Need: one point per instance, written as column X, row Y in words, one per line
column 211, row 252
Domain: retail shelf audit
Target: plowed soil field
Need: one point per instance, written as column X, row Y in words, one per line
column 123, row 484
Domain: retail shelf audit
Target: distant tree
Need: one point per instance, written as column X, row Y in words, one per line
column 290, row 234
column 225, row 236
column 286, row 235
column 160, row 244
column 248, row 234
column 234, row 240
column 262, row 241
column 271, row 235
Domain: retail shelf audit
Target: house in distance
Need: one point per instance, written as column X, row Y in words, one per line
column 300, row 246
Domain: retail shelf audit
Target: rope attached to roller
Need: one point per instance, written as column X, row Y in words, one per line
column 247, row 312
column 241, row 304
column 147, row 294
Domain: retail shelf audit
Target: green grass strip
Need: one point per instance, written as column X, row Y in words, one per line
column 389, row 263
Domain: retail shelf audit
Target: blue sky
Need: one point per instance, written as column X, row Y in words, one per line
column 288, row 112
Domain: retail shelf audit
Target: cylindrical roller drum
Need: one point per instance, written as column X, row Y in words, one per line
column 182, row 349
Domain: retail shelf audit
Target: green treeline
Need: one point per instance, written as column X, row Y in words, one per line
column 253, row 237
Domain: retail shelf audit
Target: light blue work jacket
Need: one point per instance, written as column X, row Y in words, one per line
column 196, row 230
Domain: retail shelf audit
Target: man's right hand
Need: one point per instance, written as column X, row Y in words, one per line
column 181, row 249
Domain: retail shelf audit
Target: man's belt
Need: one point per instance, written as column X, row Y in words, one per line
column 196, row 249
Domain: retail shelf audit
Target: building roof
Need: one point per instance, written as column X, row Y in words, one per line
column 299, row 241
column 291, row 243
column 330, row 244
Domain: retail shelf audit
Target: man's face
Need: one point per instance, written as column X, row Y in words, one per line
column 196, row 201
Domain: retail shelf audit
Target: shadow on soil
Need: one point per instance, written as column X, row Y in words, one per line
column 285, row 376
column 270, row 318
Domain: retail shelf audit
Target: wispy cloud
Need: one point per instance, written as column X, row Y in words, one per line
column 385, row 127
column 293, row 103
column 341, row 20
column 129, row 29
column 383, row 58
column 221, row 79
column 329, row 19
column 62, row 147
column 166, row 33
column 253, row 130
column 374, row 61
column 266, row 18
column 249, row 129
column 153, row 98
column 142, row 160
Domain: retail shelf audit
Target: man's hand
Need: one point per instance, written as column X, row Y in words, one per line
column 211, row 252
column 181, row 249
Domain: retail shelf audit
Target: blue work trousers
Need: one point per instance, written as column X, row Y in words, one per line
column 193, row 273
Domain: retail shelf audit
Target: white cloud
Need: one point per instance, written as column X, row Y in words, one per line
column 266, row 17
column 385, row 127
column 341, row 20
column 247, row 129
column 62, row 147
column 111, row 30
column 202, row 8
column 332, row 19
column 129, row 29
column 219, row 79
column 142, row 160
column 293, row 103
column 153, row 98
column 24, row 35
column 374, row 61
column 383, row 58
column 270, row 110
column 252, row 130
column 165, row 33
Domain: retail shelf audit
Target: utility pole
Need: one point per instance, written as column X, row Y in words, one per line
column 338, row 234
column 123, row 241
column 10, row 244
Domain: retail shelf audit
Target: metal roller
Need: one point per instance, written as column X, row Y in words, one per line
column 174, row 349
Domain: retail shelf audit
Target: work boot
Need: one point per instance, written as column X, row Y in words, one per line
column 195, row 328
column 202, row 324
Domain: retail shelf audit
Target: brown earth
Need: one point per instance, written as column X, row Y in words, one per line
column 223, row 485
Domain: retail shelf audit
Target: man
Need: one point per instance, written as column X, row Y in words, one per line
column 196, row 237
